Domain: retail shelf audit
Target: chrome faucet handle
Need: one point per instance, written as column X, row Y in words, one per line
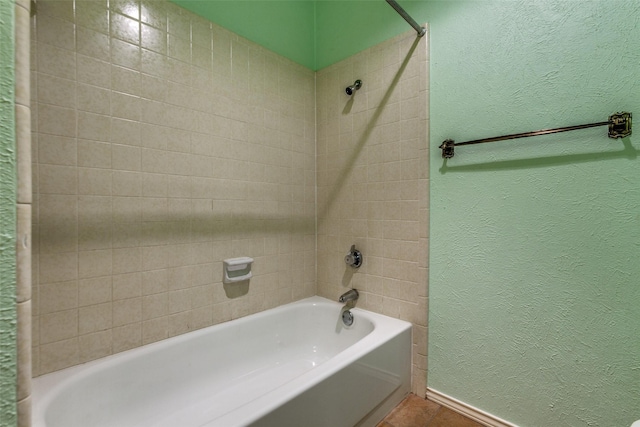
column 354, row 257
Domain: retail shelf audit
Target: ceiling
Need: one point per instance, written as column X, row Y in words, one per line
column 314, row 33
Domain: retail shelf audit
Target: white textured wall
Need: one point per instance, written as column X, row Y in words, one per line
column 8, row 223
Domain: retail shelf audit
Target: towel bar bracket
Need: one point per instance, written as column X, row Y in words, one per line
column 619, row 125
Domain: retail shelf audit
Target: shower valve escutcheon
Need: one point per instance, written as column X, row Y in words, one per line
column 354, row 257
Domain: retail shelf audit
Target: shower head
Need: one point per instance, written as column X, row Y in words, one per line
column 350, row 90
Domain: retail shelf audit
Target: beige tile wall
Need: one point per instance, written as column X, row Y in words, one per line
column 162, row 144
column 372, row 170
column 24, row 209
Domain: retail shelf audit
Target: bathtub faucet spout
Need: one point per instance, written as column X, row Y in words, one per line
column 350, row 295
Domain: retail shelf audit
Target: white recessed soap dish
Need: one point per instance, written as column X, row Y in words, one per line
column 237, row 269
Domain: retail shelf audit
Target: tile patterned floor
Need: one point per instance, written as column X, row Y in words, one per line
column 416, row 412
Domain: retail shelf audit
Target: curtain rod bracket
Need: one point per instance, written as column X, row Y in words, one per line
column 619, row 127
column 420, row 30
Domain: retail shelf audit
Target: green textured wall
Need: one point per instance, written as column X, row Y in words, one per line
column 534, row 272
column 7, row 219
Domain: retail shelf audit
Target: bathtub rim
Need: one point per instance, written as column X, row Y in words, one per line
column 46, row 387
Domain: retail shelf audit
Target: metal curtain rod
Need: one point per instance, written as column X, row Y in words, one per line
column 421, row 30
column 619, row 127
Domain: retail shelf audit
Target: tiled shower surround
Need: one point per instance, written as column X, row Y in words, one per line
column 372, row 163
column 163, row 144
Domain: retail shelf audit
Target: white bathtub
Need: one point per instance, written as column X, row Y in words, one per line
column 295, row 365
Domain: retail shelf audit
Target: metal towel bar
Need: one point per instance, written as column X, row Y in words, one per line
column 619, row 127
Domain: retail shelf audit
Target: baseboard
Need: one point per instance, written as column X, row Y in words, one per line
column 468, row 411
